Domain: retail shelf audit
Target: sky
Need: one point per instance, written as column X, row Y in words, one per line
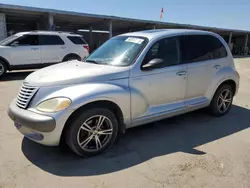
column 233, row 14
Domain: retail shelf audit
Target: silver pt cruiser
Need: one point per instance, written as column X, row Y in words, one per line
column 132, row 79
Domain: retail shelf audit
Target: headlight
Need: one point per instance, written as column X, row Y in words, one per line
column 54, row 104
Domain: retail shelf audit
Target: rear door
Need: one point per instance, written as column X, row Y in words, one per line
column 203, row 55
column 25, row 50
column 53, row 48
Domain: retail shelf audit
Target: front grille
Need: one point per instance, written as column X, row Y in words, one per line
column 25, row 95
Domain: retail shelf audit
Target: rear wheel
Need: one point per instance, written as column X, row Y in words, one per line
column 92, row 132
column 3, row 68
column 222, row 100
column 71, row 57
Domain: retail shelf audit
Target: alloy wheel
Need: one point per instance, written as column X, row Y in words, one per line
column 224, row 101
column 1, row 69
column 95, row 133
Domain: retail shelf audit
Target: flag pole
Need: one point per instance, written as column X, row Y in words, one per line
column 161, row 14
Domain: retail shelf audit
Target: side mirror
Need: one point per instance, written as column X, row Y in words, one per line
column 154, row 64
column 14, row 44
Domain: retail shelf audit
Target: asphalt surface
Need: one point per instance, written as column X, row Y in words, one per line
column 192, row 150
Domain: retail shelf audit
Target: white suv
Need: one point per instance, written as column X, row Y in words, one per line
column 36, row 49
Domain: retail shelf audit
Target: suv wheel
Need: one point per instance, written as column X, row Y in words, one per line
column 72, row 57
column 3, row 68
column 92, row 132
column 222, row 100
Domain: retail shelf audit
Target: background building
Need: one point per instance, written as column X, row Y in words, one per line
column 14, row 19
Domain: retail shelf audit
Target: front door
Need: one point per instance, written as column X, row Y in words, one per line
column 25, row 51
column 159, row 91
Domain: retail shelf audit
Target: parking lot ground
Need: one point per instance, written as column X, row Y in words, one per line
column 192, row 150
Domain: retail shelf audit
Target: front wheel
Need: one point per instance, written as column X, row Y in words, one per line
column 222, row 100
column 92, row 132
column 3, row 69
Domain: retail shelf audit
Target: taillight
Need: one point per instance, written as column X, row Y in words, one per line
column 237, row 74
column 87, row 48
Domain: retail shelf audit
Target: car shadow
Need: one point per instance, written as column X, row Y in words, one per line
column 179, row 134
column 20, row 75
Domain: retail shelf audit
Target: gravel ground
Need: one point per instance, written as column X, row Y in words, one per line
column 192, row 150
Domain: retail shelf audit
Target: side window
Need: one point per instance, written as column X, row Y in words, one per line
column 77, row 40
column 219, row 50
column 195, row 48
column 165, row 49
column 26, row 40
column 50, row 40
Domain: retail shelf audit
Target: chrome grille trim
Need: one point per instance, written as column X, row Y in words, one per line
column 25, row 95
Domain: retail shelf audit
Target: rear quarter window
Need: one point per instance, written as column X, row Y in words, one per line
column 76, row 40
column 196, row 48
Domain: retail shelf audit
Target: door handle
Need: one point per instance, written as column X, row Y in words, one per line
column 181, row 73
column 63, row 47
column 217, row 66
column 34, row 48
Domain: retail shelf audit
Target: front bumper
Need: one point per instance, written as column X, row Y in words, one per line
column 37, row 127
column 30, row 119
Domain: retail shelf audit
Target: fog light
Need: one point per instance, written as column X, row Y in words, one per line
column 34, row 136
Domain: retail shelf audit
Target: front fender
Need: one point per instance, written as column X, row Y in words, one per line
column 4, row 56
column 83, row 94
column 224, row 74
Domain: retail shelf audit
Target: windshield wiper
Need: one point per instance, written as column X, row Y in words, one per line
column 92, row 61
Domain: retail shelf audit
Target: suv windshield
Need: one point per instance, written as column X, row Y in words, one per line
column 9, row 39
column 118, row 51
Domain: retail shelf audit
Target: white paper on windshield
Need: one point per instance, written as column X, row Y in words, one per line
column 134, row 40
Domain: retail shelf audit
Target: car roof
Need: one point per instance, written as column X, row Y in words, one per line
column 155, row 33
column 48, row 33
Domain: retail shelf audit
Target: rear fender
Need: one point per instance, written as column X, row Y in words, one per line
column 224, row 74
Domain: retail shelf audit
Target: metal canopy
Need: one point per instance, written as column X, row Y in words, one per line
column 76, row 20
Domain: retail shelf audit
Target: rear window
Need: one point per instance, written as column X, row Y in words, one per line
column 50, row 40
column 195, row 48
column 76, row 40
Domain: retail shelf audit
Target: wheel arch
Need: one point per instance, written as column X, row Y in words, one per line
column 71, row 55
column 230, row 82
column 6, row 62
column 214, row 108
column 101, row 103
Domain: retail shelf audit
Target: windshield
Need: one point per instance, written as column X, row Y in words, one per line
column 8, row 40
column 118, row 51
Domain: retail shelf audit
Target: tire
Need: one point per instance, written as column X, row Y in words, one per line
column 71, row 57
column 76, row 134
column 3, row 69
column 215, row 107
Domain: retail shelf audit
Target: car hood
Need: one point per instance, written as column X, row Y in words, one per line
column 4, row 47
column 75, row 72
